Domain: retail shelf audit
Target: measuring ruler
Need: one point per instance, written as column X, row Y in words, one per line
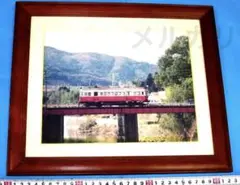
column 198, row 180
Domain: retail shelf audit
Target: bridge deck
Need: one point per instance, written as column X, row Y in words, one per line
column 118, row 110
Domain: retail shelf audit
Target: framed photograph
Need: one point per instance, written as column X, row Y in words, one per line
column 111, row 88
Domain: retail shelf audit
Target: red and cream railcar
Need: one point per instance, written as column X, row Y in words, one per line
column 116, row 96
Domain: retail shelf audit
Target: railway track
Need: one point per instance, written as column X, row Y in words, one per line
column 119, row 106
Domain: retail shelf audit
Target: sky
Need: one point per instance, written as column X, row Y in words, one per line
column 139, row 39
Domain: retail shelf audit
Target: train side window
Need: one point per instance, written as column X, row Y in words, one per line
column 142, row 93
column 116, row 93
column 89, row 93
column 109, row 93
column 105, row 93
column 85, row 94
column 101, row 93
column 95, row 93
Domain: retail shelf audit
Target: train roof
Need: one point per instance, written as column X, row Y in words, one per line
column 113, row 88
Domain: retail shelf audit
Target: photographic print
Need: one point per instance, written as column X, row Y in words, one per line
column 116, row 88
column 117, row 67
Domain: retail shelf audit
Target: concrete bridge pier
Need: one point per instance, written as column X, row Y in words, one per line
column 127, row 128
column 52, row 129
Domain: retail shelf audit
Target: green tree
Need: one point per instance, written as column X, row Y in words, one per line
column 175, row 77
column 150, row 82
column 175, row 65
column 63, row 96
column 157, row 82
column 180, row 92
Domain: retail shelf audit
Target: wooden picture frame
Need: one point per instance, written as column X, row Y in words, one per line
column 20, row 164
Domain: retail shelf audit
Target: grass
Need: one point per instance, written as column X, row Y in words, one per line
column 151, row 128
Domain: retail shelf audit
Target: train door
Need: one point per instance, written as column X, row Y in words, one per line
column 95, row 94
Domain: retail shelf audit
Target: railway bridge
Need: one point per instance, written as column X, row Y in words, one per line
column 53, row 118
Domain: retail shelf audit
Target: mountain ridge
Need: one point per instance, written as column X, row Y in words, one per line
column 89, row 68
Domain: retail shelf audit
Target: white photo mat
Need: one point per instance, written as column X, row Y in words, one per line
column 40, row 26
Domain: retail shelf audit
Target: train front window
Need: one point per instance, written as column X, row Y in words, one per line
column 95, row 93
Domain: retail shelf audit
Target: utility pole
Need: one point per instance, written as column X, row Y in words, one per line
column 113, row 79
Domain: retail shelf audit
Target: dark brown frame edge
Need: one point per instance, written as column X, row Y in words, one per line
column 18, row 164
